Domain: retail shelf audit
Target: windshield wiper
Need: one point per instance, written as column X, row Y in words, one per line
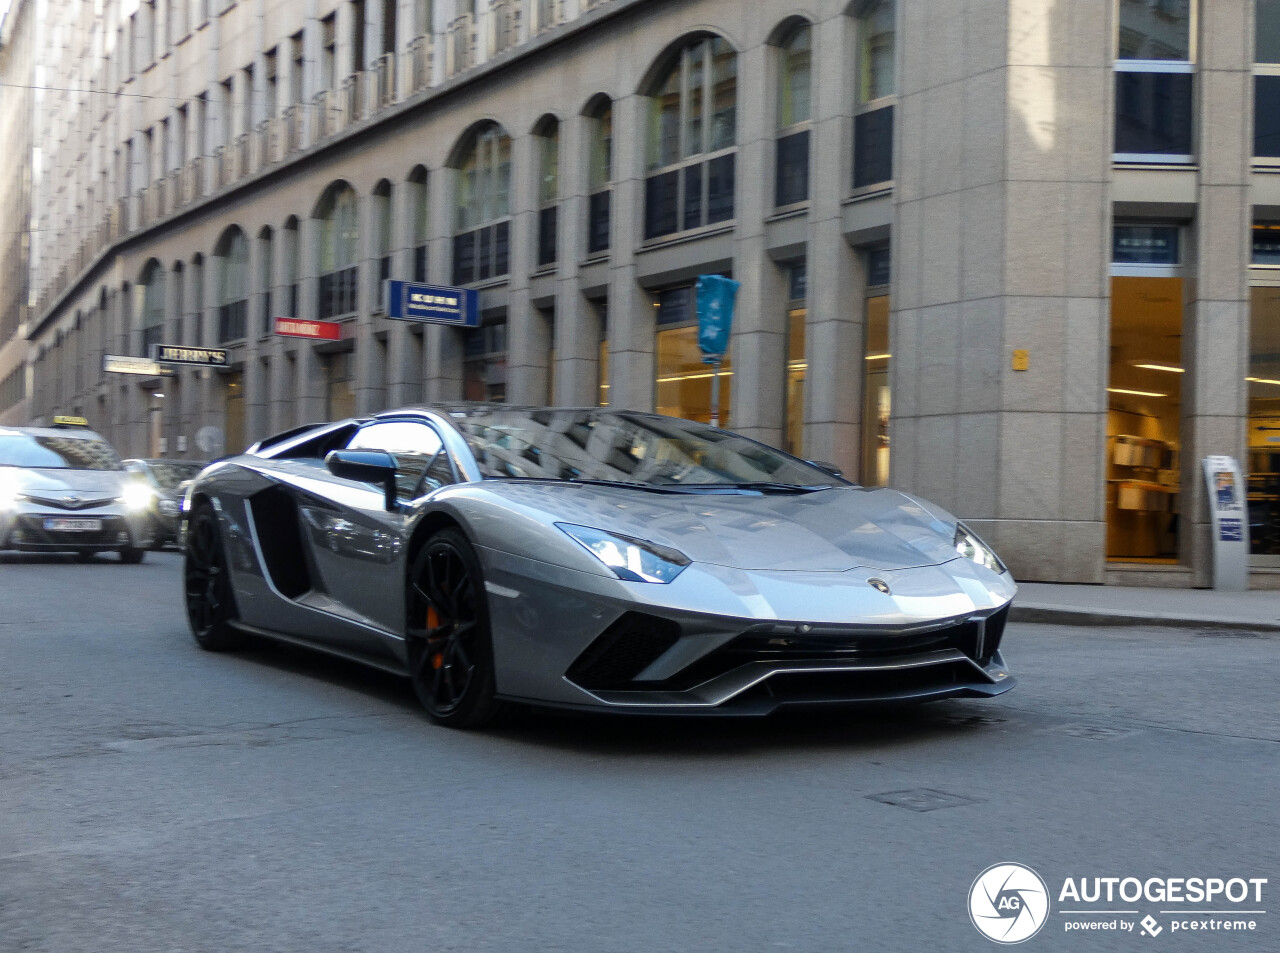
column 580, row 481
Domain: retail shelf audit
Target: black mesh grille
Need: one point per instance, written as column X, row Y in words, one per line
column 866, row 686
column 34, row 533
column 994, row 633
column 623, row 651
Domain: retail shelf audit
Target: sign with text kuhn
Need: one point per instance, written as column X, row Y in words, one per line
column 431, row 304
column 316, row 330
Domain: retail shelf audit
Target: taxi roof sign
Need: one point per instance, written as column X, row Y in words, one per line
column 64, row 420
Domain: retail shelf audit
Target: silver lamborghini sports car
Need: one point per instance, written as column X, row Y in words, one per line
column 590, row 559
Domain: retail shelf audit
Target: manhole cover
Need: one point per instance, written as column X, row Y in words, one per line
column 922, row 799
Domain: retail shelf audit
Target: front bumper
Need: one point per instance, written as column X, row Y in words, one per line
column 585, row 641
column 25, row 528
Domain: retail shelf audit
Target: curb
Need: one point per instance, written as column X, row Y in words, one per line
column 1054, row 615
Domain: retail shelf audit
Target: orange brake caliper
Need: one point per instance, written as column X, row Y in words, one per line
column 433, row 623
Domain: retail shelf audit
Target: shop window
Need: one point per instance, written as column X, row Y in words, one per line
column 684, row 382
column 482, row 226
column 1266, row 245
column 1264, row 424
column 338, row 248
column 876, row 356
column 797, row 366
column 692, row 140
column 602, row 366
column 600, row 176
column 484, row 363
column 1144, row 396
column 340, row 393
column 791, row 180
column 1154, row 85
column 232, row 253
column 233, row 414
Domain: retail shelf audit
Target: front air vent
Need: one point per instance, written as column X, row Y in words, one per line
column 992, row 633
column 623, row 651
column 275, row 520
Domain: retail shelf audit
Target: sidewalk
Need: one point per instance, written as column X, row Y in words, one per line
column 1122, row 605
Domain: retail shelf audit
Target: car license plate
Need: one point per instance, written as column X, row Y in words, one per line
column 63, row 525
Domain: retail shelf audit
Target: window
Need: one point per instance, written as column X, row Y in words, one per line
column 421, row 463
column 548, row 136
column 1144, row 387
column 876, row 402
column 873, row 122
column 1266, row 82
column 382, row 229
column 877, row 51
column 151, row 287
column 338, row 248
column 232, row 253
column 482, row 226
column 290, row 276
column 197, row 298
column 271, row 82
column 797, row 365
column 691, row 140
column 683, row 382
column 1154, row 81
column 600, row 175
column 266, row 279
column 421, row 225
column 791, row 180
column 1263, row 381
column 328, row 51
column 484, row 363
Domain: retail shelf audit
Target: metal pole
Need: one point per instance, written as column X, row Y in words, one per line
column 715, row 394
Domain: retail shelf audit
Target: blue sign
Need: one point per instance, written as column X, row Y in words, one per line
column 432, row 304
column 715, row 314
column 1231, row 531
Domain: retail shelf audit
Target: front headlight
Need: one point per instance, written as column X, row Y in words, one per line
column 10, row 489
column 634, row 560
column 970, row 546
column 136, row 496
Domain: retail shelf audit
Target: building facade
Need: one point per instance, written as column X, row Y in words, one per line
column 1016, row 257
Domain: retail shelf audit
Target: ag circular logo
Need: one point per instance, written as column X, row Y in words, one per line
column 1009, row 903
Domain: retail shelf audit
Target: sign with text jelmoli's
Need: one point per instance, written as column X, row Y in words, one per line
column 301, row 328
column 432, row 304
column 201, row 356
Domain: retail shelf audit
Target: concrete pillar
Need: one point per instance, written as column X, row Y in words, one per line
column 442, row 346
column 577, row 326
column 403, row 368
column 528, row 335
column 308, row 384
column 369, row 369
column 1216, row 325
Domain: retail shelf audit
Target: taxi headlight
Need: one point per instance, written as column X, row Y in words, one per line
column 135, row 497
column 971, row 547
column 10, row 489
column 634, row 560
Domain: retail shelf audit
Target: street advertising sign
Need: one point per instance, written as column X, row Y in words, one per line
column 431, row 304
column 122, row 364
column 316, row 330
column 200, row 356
column 715, row 295
column 1229, row 516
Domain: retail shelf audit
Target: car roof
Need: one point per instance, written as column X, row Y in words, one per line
column 74, row 433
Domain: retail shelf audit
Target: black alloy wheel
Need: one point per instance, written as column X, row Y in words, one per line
column 210, row 603
column 449, row 643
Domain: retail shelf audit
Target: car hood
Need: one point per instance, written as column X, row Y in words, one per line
column 824, row 531
column 46, row 482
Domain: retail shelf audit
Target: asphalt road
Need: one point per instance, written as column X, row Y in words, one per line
column 154, row 797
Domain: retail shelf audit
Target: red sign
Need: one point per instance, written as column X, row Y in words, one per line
column 299, row 328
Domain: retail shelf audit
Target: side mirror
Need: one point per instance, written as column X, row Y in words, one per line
column 831, row 468
column 366, row 466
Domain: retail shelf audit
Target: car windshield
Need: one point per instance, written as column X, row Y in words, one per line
column 169, row 474
column 612, row 446
column 56, row 453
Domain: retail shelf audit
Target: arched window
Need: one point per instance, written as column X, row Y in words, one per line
column 873, row 122
column 266, row 276
column 151, row 287
column 338, row 249
column 420, row 197
column 289, row 249
column 232, row 253
column 547, row 133
column 791, row 180
column 876, row 41
column 691, row 139
column 600, row 173
column 482, row 225
column 382, row 229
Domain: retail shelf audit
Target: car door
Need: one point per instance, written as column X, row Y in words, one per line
column 358, row 548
